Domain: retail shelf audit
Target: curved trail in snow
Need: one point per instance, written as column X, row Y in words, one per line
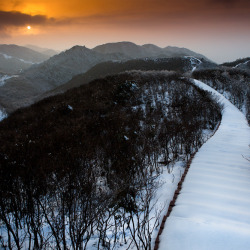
column 212, row 211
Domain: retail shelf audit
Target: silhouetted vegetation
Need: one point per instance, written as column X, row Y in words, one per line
column 234, row 84
column 85, row 163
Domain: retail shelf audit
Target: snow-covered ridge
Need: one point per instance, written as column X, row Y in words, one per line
column 240, row 64
column 212, row 210
column 4, row 78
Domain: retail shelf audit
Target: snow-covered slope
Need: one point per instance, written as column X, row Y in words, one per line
column 213, row 208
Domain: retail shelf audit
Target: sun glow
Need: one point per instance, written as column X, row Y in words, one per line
column 28, row 27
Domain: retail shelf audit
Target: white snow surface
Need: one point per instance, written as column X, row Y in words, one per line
column 212, row 211
column 70, row 107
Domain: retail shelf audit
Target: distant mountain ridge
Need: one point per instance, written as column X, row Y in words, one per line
column 147, row 50
column 45, row 51
column 22, row 53
column 14, row 58
column 21, row 91
column 61, row 68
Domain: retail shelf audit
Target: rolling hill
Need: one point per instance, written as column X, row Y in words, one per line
column 14, row 58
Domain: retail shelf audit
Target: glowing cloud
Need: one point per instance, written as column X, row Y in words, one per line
column 164, row 22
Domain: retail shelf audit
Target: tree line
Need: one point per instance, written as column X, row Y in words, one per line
column 81, row 168
column 233, row 83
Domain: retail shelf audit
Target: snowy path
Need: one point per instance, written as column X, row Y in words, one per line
column 212, row 211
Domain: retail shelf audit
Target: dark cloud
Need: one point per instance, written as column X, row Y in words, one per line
column 224, row 1
column 240, row 3
column 18, row 19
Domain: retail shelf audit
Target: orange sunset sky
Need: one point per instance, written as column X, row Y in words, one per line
column 219, row 29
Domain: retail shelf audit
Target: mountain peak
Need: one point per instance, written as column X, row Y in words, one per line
column 127, row 48
column 150, row 45
column 115, row 47
column 78, row 47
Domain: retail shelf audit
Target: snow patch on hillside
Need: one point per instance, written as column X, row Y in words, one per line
column 194, row 62
column 4, row 78
column 3, row 115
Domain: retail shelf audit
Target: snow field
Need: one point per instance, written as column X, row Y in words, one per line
column 213, row 208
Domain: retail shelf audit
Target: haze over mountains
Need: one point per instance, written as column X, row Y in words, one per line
column 43, row 77
column 148, row 50
column 45, row 51
column 124, row 113
column 177, row 64
column 59, row 69
column 14, row 59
